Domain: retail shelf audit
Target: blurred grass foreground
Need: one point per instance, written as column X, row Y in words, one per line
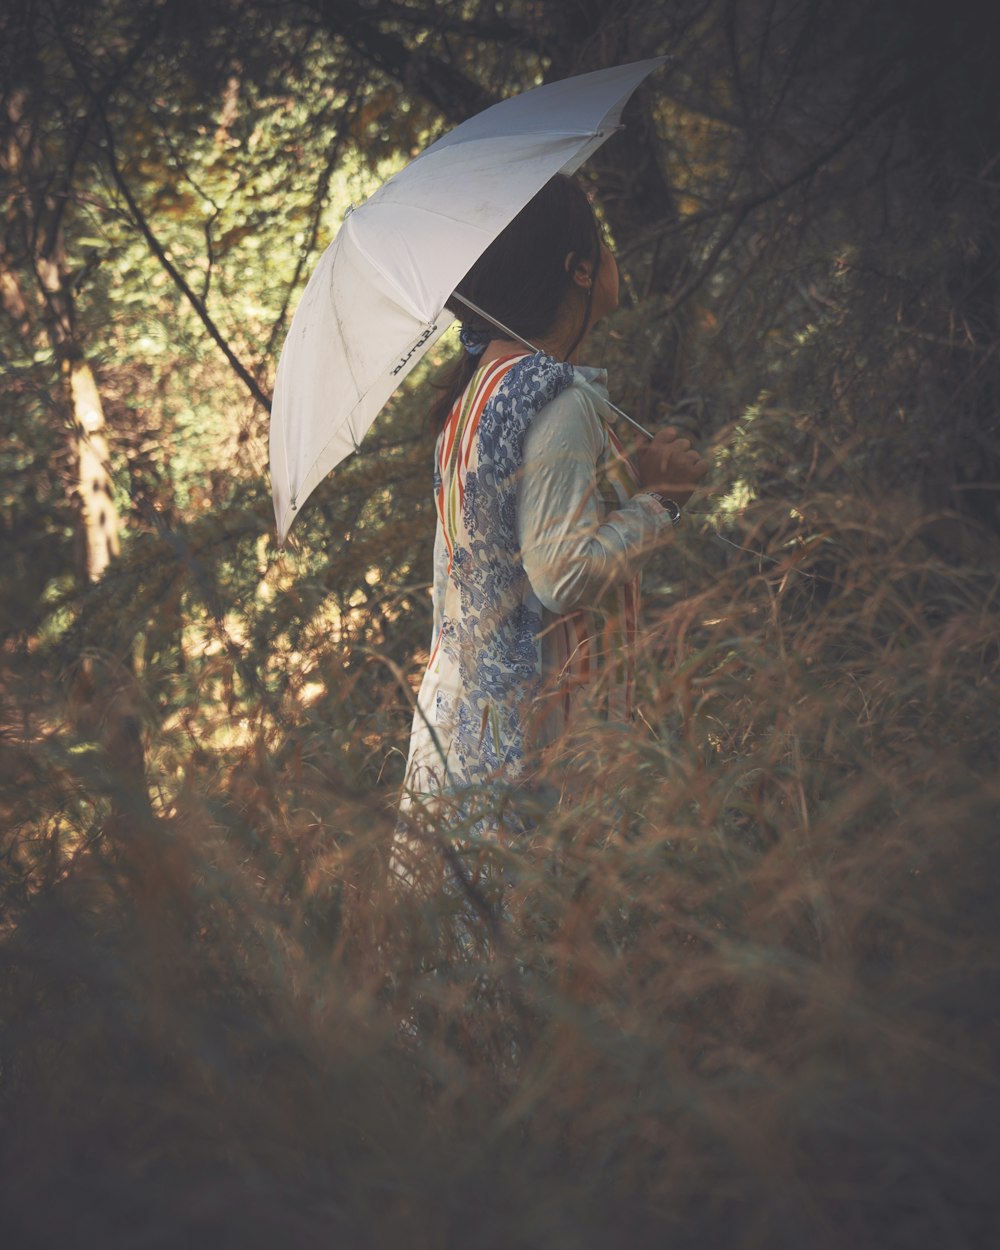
column 742, row 991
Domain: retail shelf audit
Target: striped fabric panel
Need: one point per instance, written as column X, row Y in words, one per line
column 457, row 442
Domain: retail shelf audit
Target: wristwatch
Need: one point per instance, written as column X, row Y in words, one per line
column 669, row 506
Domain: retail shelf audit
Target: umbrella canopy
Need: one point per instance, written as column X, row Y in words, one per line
column 375, row 302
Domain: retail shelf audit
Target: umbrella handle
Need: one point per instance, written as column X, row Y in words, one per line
column 513, row 334
column 631, row 420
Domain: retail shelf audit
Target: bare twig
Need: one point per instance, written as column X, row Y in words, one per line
column 741, row 210
column 139, row 218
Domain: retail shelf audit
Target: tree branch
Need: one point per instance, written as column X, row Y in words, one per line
column 469, row 26
column 177, row 277
column 742, row 209
column 438, row 81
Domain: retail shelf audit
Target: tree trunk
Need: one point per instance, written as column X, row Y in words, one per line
column 41, row 303
column 97, row 533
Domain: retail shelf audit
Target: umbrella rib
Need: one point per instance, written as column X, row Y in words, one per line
column 403, row 297
column 591, row 133
column 430, row 212
column 347, row 358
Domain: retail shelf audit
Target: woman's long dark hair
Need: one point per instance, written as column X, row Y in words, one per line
column 522, row 278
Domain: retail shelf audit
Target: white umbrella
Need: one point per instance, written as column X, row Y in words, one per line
column 375, row 302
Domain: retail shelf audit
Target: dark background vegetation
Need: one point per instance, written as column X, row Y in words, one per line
column 744, row 990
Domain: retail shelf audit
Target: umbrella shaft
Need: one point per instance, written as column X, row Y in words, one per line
column 513, row 334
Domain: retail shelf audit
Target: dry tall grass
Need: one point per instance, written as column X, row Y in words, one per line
column 738, row 989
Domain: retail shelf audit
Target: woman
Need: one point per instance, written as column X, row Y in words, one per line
column 543, row 521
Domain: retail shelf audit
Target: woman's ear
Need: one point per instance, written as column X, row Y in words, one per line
column 581, row 270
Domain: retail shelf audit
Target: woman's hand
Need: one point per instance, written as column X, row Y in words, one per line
column 669, row 464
